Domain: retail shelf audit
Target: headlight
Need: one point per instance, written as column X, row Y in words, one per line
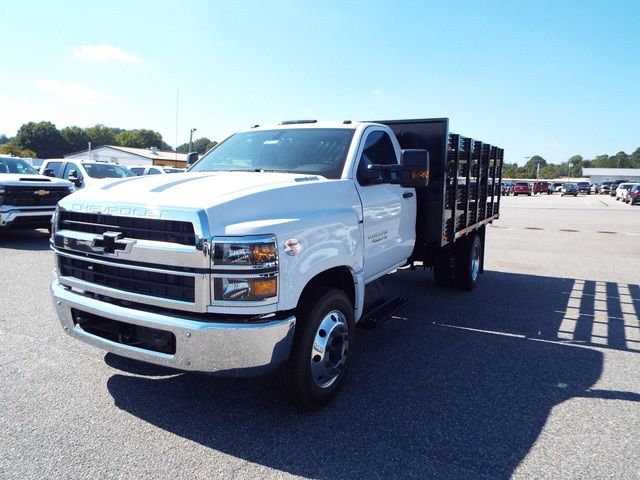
column 1, row 195
column 245, row 269
column 54, row 222
column 256, row 254
column 245, row 289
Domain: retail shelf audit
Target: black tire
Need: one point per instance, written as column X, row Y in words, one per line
column 312, row 376
column 468, row 258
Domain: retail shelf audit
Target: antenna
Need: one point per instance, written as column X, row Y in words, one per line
column 176, row 147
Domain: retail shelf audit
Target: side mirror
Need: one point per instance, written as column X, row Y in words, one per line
column 49, row 172
column 371, row 175
column 417, row 163
column 192, row 157
column 413, row 171
column 73, row 177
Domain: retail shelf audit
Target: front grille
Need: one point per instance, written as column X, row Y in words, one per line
column 34, row 196
column 131, row 227
column 162, row 285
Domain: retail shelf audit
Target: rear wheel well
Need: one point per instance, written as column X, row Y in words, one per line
column 338, row 277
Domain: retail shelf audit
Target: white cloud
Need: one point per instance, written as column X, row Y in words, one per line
column 73, row 90
column 104, row 53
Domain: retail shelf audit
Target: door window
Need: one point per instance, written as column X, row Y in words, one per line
column 378, row 150
column 71, row 167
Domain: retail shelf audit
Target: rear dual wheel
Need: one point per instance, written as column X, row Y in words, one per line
column 468, row 263
column 459, row 266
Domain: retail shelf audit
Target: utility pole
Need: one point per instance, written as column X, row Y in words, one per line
column 191, row 138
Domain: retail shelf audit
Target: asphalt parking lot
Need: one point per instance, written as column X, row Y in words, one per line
column 535, row 374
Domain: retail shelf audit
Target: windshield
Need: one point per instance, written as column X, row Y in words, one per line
column 107, row 170
column 320, row 151
column 16, row 165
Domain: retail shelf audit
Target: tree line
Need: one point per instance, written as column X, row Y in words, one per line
column 537, row 167
column 44, row 140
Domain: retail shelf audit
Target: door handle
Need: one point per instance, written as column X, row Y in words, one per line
column 407, row 195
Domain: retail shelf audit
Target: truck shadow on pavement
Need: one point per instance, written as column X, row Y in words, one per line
column 25, row 239
column 460, row 386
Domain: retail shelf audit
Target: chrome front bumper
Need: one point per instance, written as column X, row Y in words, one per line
column 230, row 348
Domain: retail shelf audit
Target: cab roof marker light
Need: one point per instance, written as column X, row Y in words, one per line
column 295, row 122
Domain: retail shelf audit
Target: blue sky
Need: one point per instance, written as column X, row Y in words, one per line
column 553, row 78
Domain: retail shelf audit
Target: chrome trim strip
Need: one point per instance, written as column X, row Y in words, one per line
column 8, row 217
column 124, row 265
column 201, row 292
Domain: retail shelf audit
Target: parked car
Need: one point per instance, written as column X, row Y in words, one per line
column 154, row 170
column 634, row 195
column 584, row 187
column 569, row 189
column 595, row 188
column 623, row 190
column 82, row 173
column 605, row 187
column 522, row 188
column 542, row 187
column 557, row 187
column 614, row 185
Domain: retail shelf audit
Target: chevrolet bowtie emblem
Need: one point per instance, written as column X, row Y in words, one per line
column 112, row 242
column 41, row 193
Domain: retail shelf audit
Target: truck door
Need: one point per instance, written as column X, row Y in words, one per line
column 389, row 211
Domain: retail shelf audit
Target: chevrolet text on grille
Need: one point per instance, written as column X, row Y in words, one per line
column 121, row 211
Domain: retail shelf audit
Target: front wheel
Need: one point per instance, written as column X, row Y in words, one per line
column 320, row 357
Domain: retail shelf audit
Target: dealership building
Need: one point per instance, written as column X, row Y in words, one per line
column 599, row 175
column 131, row 156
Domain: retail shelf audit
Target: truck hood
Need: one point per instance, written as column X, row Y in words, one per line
column 201, row 190
column 35, row 180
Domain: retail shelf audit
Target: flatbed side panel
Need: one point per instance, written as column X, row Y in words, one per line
column 464, row 190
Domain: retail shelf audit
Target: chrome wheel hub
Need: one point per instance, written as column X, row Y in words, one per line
column 475, row 260
column 329, row 350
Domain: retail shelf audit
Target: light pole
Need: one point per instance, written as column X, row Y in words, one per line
column 569, row 173
column 191, row 137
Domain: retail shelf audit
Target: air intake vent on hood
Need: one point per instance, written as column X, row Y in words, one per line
column 35, row 179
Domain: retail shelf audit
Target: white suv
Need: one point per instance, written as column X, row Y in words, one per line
column 84, row 173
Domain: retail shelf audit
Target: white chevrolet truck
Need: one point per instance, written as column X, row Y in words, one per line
column 27, row 199
column 266, row 254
